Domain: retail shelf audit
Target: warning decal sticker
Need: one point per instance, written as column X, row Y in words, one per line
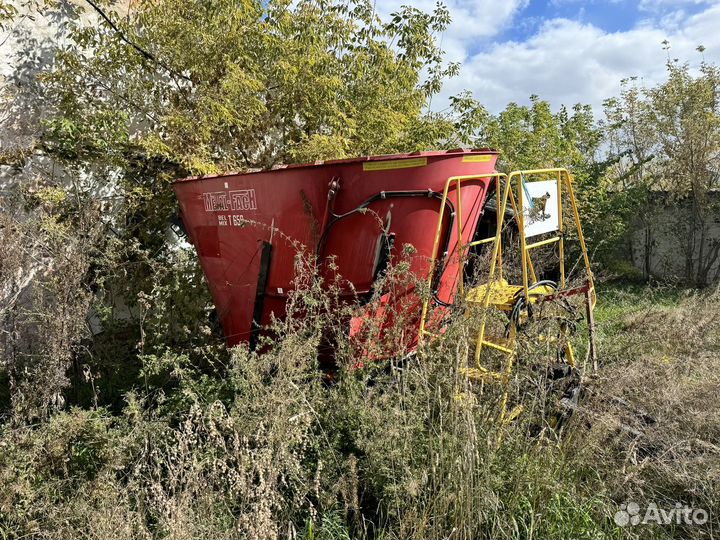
column 394, row 164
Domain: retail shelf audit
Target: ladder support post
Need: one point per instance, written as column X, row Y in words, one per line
column 457, row 180
column 521, row 230
column 561, row 230
column 591, row 328
column 460, row 247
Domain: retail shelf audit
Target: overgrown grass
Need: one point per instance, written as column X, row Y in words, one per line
column 267, row 447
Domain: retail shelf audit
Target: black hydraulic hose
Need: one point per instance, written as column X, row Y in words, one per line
column 521, row 302
column 383, row 195
column 548, row 282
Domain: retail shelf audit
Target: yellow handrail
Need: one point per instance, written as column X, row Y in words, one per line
column 496, row 261
column 564, row 180
column 560, row 173
column 457, row 180
column 542, row 243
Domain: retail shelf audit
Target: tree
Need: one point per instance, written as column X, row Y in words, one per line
column 531, row 137
column 686, row 113
column 131, row 96
column 175, row 88
column 629, row 138
column 224, row 85
column 667, row 142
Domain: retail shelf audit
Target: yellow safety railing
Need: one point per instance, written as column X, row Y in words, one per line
column 564, row 179
column 564, row 185
column 457, row 181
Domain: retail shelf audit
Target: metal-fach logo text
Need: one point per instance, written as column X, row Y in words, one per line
column 631, row 513
column 227, row 201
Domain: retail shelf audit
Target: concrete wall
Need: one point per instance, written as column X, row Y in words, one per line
column 660, row 242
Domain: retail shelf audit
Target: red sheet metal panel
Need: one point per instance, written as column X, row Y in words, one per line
column 231, row 218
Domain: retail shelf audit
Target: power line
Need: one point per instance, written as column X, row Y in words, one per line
column 144, row 53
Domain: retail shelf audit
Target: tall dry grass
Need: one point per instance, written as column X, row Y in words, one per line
column 272, row 446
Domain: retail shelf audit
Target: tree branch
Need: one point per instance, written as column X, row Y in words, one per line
column 145, row 54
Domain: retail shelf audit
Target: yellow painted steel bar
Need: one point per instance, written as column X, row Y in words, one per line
column 581, row 237
column 531, row 266
column 497, row 209
column 479, row 242
column 507, row 192
column 552, row 170
column 436, row 244
column 561, row 229
column 433, row 258
column 460, row 247
column 542, row 243
column 493, row 264
column 497, row 347
column 513, row 202
column 521, row 228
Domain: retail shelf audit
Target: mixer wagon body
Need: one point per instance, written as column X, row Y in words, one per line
column 247, row 227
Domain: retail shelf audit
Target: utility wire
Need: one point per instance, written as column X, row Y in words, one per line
column 145, row 54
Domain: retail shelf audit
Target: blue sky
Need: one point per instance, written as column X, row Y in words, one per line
column 567, row 51
column 610, row 16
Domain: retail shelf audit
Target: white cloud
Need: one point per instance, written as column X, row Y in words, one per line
column 569, row 62
column 472, row 20
column 660, row 5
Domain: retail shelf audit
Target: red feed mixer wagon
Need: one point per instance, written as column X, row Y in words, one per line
column 233, row 221
column 362, row 212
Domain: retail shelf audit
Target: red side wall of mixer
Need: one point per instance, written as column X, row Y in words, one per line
column 230, row 218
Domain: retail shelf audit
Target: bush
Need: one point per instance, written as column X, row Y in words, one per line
column 268, row 444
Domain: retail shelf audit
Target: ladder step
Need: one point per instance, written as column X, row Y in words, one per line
column 497, row 346
column 482, row 374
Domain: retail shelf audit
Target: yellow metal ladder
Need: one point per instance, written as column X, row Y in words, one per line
column 496, row 293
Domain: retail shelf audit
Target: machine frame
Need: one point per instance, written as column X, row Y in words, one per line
column 496, row 292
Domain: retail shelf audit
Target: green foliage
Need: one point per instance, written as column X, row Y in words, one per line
column 533, row 137
column 665, row 142
column 227, row 86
